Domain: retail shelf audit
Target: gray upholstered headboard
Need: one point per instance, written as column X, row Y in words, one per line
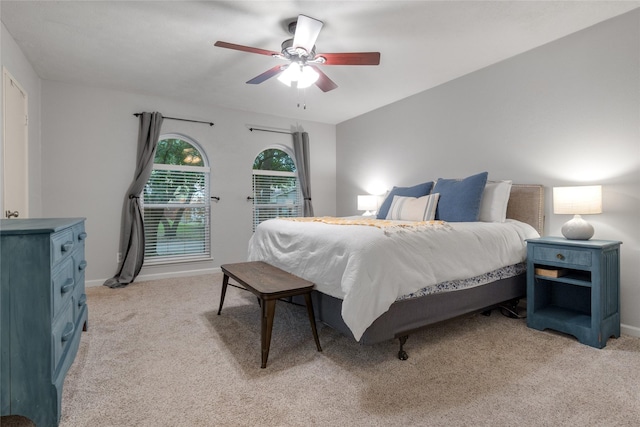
column 526, row 204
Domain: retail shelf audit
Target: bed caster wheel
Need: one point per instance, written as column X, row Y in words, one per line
column 402, row 355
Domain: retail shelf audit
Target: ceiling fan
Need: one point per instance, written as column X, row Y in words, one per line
column 300, row 51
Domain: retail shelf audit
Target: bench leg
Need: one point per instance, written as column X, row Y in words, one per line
column 225, row 282
column 312, row 319
column 268, row 312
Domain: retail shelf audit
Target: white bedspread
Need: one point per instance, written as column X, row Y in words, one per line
column 369, row 269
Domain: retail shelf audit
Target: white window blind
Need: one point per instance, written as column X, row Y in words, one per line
column 177, row 214
column 275, row 194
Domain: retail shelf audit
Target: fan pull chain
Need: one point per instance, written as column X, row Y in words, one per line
column 304, row 98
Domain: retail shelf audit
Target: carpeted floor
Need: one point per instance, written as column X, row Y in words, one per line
column 156, row 354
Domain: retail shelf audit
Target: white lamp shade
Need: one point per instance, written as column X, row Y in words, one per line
column 367, row 203
column 304, row 75
column 585, row 200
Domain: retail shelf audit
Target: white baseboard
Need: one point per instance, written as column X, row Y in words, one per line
column 164, row 275
column 630, row 330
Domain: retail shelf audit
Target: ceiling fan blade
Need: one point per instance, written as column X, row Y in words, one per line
column 245, row 48
column 307, row 30
column 355, row 58
column 324, row 82
column 266, row 75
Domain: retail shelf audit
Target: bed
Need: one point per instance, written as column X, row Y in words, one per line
column 371, row 283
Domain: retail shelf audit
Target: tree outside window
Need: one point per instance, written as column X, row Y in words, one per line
column 276, row 192
column 176, row 203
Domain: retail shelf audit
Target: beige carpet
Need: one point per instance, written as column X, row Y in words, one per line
column 156, row 354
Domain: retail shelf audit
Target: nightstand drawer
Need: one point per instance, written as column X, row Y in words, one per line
column 561, row 256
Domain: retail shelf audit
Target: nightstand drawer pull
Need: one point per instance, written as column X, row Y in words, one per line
column 68, row 285
column 560, row 257
column 82, row 236
column 83, row 300
column 66, row 246
column 82, row 265
column 68, row 332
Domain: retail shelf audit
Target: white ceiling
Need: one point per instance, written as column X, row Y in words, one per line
column 166, row 48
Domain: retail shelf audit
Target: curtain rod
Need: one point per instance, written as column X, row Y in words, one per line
column 182, row 120
column 269, row 130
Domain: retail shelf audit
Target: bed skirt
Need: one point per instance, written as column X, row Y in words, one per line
column 409, row 315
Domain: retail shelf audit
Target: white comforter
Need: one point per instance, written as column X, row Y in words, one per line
column 369, row 268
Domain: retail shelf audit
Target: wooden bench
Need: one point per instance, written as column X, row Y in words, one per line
column 269, row 283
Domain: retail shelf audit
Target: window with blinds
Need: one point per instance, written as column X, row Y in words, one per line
column 176, row 204
column 276, row 192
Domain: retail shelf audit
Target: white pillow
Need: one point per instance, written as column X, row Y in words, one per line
column 414, row 208
column 495, row 198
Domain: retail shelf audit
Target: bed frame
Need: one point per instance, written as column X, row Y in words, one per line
column 526, row 204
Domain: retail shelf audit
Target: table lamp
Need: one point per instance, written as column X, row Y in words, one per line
column 584, row 200
column 368, row 203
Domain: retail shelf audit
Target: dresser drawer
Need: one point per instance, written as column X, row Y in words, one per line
column 62, row 332
column 79, row 302
column 79, row 234
column 79, row 295
column 63, row 284
column 79, row 266
column 561, row 256
column 62, row 244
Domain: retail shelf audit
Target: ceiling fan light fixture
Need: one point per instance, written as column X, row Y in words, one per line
column 303, row 74
column 300, row 51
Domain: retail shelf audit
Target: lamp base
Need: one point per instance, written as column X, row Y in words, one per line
column 577, row 229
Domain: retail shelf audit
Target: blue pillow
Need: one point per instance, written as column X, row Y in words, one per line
column 460, row 198
column 415, row 191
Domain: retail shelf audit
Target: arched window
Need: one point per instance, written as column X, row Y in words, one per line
column 276, row 192
column 176, row 203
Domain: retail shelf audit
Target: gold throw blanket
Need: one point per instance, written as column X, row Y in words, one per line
column 387, row 226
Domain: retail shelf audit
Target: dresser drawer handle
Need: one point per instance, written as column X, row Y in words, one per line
column 82, row 236
column 68, row 332
column 83, row 300
column 68, row 285
column 82, row 265
column 560, row 257
column 66, row 246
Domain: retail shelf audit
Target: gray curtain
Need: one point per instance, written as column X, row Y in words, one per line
column 132, row 232
column 301, row 152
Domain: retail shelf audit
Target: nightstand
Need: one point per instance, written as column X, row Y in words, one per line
column 573, row 286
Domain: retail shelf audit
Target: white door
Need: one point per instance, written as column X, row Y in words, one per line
column 15, row 174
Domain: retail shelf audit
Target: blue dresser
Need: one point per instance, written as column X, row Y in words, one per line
column 44, row 310
column 573, row 286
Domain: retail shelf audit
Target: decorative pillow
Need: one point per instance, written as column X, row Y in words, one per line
column 460, row 198
column 495, row 198
column 415, row 191
column 414, row 208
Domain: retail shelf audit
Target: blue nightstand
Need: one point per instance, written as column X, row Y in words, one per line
column 573, row 286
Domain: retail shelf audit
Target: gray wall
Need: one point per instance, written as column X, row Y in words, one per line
column 89, row 146
column 566, row 113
